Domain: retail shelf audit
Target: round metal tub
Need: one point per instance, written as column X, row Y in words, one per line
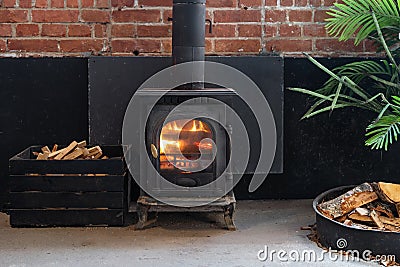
column 337, row 236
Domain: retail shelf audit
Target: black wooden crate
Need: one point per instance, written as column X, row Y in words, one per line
column 69, row 192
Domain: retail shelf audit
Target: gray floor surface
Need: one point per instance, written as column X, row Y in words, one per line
column 177, row 240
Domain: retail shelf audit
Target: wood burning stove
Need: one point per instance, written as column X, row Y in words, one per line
column 196, row 158
column 187, row 150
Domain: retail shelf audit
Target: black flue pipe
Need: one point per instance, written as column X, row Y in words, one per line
column 188, row 34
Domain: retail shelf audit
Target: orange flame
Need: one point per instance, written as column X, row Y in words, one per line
column 172, row 127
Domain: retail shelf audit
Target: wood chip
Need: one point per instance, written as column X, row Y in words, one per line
column 43, row 156
column 98, row 155
column 362, row 211
column 55, row 153
column 374, row 216
column 85, row 152
column 392, row 228
column 45, row 149
column 94, row 151
column 390, row 221
column 360, row 218
column 82, row 144
column 55, row 147
column 65, row 151
column 75, row 154
column 388, row 192
column 379, row 207
column 348, row 222
column 357, row 197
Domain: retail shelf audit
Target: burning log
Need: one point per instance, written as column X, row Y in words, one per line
column 357, row 197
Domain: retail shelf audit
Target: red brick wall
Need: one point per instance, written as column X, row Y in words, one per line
column 122, row 27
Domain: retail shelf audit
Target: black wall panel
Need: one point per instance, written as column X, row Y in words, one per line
column 42, row 101
column 325, row 151
column 113, row 81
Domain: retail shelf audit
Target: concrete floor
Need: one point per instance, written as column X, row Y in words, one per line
column 176, row 240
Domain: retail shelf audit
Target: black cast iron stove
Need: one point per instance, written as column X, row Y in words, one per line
column 178, row 161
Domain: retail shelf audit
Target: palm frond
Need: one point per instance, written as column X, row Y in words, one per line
column 353, row 17
column 356, row 71
column 383, row 132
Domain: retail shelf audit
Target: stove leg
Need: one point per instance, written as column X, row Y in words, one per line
column 228, row 216
column 143, row 214
column 142, row 211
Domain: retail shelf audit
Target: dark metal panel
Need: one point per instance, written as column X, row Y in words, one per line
column 42, row 101
column 267, row 73
column 37, row 218
column 113, row 81
column 325, row 151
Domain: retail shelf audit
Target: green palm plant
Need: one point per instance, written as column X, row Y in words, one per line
column 354, row 18
column 364, row 19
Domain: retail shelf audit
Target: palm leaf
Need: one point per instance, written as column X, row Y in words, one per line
column 356, row 71
column 383, row 132
column 353, row 17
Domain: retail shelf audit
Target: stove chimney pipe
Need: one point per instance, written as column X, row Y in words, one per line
column 188, row 34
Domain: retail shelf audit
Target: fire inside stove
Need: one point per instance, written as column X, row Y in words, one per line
column 184, row 150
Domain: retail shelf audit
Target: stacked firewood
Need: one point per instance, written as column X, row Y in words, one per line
column 75, row 150
column 367, row 206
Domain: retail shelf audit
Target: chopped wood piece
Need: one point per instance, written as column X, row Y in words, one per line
column 390, row 221
column 94, row 151
column 388, row 192
column 82, row 144
column 74, row 150
column 43, row 156
column 357, row 197
column 361, row 226
column 55, row 147
column 98, row 155
column 362, row 211
column 55, row 153
column 75, row 154
column 392, row 228
column 85, row 152
column 398, row 209
column 374, row 216
column 379, row 207
column 348, row 222
column 65, row 151
column 360, row 218
column 45, row 149
column 341, row 218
